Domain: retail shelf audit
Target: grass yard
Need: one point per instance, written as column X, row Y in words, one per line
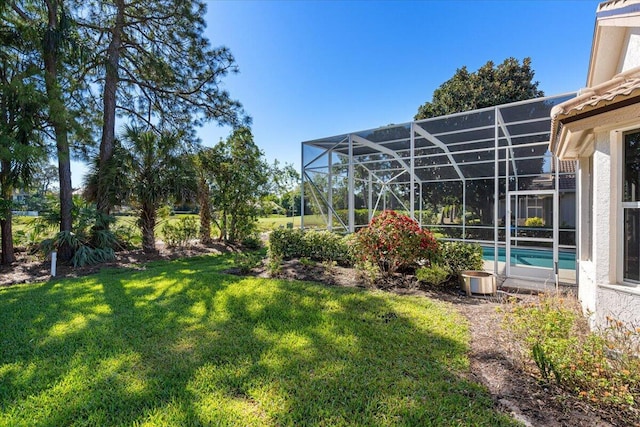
column 275, row 221
column 181, row 343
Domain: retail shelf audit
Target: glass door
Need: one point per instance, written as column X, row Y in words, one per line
column 532, row 229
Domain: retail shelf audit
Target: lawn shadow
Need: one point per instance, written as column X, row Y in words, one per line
column 181, row 343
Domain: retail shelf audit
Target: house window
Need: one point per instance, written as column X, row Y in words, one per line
column 534, row 207
column 631, row 207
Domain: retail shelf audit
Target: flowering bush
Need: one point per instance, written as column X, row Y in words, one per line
column 394, row 242
column 534, row 221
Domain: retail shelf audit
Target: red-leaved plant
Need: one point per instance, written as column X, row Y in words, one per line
column 394, row 242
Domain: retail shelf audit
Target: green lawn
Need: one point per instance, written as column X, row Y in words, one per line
column 275, row 221
column 180, row 343
column 264, row 223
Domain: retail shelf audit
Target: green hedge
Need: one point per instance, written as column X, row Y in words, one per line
column 459, row 256
column 316, row 245
column 361, row 216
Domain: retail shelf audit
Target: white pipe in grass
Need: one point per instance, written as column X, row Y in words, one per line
column 54, row 259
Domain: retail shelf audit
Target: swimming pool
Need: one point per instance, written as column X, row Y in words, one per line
column 532, row 257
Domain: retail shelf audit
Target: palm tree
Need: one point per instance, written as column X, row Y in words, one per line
column 157, row 171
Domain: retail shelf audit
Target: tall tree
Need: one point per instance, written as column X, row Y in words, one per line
column 49, row 25
column 21, row 149
column 158, row 69
column 51, row 51
column 490, row 85
column 237, row 182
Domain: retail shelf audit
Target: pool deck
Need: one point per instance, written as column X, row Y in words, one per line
column 545, row 280
column 511, row 283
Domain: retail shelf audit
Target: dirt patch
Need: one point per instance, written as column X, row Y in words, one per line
column 493, row 363
column 31, row 269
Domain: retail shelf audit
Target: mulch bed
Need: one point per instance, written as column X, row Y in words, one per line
column 493, row 362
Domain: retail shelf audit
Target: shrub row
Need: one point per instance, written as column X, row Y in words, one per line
column 316, row 245
column 392, row 242
column 361, row 216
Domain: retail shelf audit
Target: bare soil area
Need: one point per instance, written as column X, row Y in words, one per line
column 494, row 364
column 31, row 269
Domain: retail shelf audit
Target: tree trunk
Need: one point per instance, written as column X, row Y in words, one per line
column 57, row 115
column 148, row 223
column 103, row 202
column 232, row 233
column 6, row 233
column 8, row 255
column 223, row 228
column 205, row 211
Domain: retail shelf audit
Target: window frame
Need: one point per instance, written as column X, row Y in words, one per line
column 622, row 204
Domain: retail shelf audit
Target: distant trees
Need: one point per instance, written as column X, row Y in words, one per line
column 490, row 85
column 283, row 189
column 204, row 163
column 44, row 177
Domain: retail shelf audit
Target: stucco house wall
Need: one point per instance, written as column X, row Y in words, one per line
column 612, row 299
column 591, row 129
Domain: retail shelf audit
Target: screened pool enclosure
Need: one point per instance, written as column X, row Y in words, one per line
column 482, row 176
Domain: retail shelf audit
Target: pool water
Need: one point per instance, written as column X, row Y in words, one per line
column 532, row 257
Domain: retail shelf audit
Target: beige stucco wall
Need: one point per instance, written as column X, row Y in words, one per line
column 599, row 289
column 616, row 48
column 604, row 192
column 585, row 267
column 617, row 302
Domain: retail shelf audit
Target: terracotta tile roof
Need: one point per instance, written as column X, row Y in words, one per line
column 624, row 86
column 567, row 166
column 617, row 7
column 567, row 177
column 567, row 174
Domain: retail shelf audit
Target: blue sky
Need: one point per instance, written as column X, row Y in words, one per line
column 311, row 69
